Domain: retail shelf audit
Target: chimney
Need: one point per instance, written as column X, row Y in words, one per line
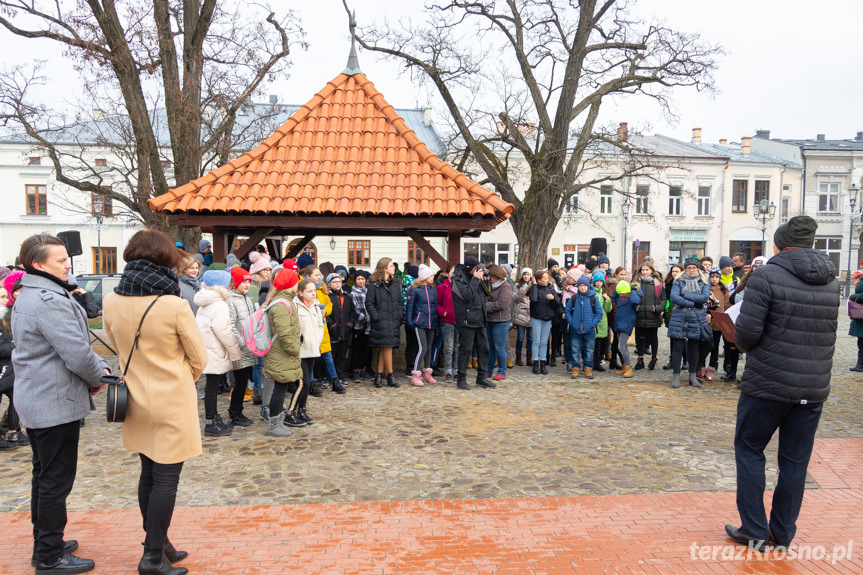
column 820, row 137
column 746, row 144
column 723, row 141
column 622, row 132
column 763, row 134
column 696, row 135
column 427, row 116
column 273, row 98
column 858, row 137
column 98, row 114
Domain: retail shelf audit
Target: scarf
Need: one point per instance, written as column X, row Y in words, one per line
column 65, row 285
column 690, row 283
column 144, row 278
column 195, row 282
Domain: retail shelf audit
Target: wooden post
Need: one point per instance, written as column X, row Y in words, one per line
column 253, row 241
column 427, row 248
column 219, row 247
column 454, row 247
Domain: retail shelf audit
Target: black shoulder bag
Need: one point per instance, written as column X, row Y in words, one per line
column 118, row 393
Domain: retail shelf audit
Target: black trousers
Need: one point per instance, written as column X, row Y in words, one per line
column 647, row 337
column 692, row 347
column 859, row 351
column 157, row 494
column 55, row 463
column 616, row 356
column 13, row 423
column 411, row 347
column 340, row 357
column 757, row 421
column 211, row 394
column 241, row 381
column 467, row 338
column 712, row 351
column 557, row 332
column 361, row 353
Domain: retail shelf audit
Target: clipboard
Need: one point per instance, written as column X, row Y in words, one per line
column 723, row 321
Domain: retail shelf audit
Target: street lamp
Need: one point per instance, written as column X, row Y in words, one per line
column 852, row 199
column 625, row 225
column 764, row 212
column 98, row 204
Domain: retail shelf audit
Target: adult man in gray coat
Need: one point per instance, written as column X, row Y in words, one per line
column 56, row 372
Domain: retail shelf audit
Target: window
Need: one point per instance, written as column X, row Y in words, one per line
column 37, row 199
column 784, row 210
column 34, row 161
column 101, row 163
column 606, row 199
column 638, row 254
column 416, row 255
column 641, row 193
column 704, row 200
column 738, row 195
column 571, row 206
column 166, row 164
column 105, row 260
column 828, row 197
column 488, row 253
column 310, row 249
column 750, row 248
column 679, row 251
column 107, row 205
column 574, row 254
column 675, row 193
column 359, row 252
column 832, row 247
column 762, row 191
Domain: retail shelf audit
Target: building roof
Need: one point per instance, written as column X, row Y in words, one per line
column 733, row 152
column 345, row 152
column 659, row 145
column 854, row 145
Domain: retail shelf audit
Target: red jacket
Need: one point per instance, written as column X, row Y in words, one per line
column 445, row 308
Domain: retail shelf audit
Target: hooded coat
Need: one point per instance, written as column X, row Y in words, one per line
column 582, row 316
column 689, row 310
column 323, row 295
column 214, row 323
column 625, row 314
column 312, row 328
column 421, row 310
column 384, row 306
column 521, row 304
column 282, row 363
column 788, row 324
column 652, row 306
column 499, row 305
column 339, row 323
column 241, row 307
column 468, row 296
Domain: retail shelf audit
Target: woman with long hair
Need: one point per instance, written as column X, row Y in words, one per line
column 720, row 300
column 544, row 307
column 673, row 272
column 162, row 364
column 14, row 436
column 446, row 315
column 521, row 317
column 421, row 316
column 649, row 314
column 384, row 304
column 190, row 283
column 689, row 294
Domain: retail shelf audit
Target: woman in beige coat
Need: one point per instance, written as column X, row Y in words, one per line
column 162, row 418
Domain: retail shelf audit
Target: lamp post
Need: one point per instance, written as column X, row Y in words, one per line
column 625, row 225
column 764, row 212
column 98, row 204
column 852, row 199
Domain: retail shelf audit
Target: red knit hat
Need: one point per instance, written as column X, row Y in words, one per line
column 285, row 279
column 290, row 264
column 239, row 275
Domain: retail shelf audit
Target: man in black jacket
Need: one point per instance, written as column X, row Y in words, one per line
column 788, row 326
column 469, row 293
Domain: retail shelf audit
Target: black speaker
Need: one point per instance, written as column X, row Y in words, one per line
column 72, row 239
column 598, row 246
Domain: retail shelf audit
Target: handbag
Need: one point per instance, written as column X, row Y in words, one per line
column 855, row 310
column 706, row 330
column 118, row 392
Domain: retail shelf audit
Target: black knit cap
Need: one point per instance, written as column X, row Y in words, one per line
column 470, row 262
column 798, row 232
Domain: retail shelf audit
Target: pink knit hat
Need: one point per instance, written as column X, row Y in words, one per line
column 259, row 263
column 424, row 272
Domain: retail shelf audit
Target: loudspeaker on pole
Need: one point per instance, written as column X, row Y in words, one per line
column 72, row 239
column 598, row 246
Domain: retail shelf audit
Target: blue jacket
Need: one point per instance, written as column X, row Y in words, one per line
column 624, row 319
column 687, row 316
column 421, row 309
column 582, row 317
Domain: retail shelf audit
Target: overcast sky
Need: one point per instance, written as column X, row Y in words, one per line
column 792, row 66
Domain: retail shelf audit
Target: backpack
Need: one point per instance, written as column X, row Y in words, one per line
column 257, row 333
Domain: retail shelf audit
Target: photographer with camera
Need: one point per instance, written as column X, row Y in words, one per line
column 470, row 288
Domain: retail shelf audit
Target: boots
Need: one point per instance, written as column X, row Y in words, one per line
column 693, row 380
column 237, row 418
column 391, row 380
column 173, row 555
column 668, row 365
column 652, row 365
column 518, row 360
column 553, row 362
column 858, row 367
column 216, row 428
column 315, row 389
column 339, row 386
column 621, row 370
column 379, row 379
column 675, row 381
column 473, row 363
column 461, row 381
column 612, row 364
column 542, row 368
column 597, row 365
column 640, row 363
column 304, row 416
column 276, row 429
column 416, row 378
column 256, row 400
column 292, row 419
column 730, row 375
column 481, row 381
column 535, row 369
column 428, row 376
column 574, row 372
column 588, row 373
column 154, row 562
column 627, row 371
column 509, row 363
column 530, row 359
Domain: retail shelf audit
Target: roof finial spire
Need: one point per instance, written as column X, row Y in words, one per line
column 353, row 66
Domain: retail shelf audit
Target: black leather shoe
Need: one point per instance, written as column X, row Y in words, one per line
column 67, row 564
column 482, row 381
column 338, row 386
column 292, row 419
column 379, row 380
column 391, row 380
column 315, row 389
column 303, row 415
column 542, row 368
column 738, row 536
column 68, row 547
column 173, row 555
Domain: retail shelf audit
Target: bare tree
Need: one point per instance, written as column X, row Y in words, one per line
column 180, row 71
column 548, row 65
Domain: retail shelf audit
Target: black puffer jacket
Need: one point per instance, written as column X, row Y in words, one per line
column 339, row 321
column 541, row 307
column 384, row 306
column 468, row 298
column 788, row 326
column 652, row 306
column 7, row 376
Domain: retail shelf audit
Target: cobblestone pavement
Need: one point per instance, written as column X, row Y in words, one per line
column 534, row 436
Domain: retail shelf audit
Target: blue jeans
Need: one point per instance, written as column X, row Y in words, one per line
column 568, row 354
column 541, row 331
column 258, row 374
column 497, row 334
column 330, row 365
column 582, row 346
column 436, row 347
column 520, row 332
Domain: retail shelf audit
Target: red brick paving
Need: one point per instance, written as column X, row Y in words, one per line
column 649, row 533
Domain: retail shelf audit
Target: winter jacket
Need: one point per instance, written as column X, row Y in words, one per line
column 312, row 328
column 498, row 307
column 241, row 307
column 669, row 305
column 323, row 295
column 468, row 296
column 214, row 323
column 584, row 311
column 7, row 373
column 856, row 328
column 86, row 300
column 689, row 310
column 339, row 321
column 521, row 305
column 445, row 309
column 787, row 324
column 384, row 305
column 624, row 318
column 724, row 300
column 652, row 306
column 359, row 314
column 162, row 416
column 422, row 307
column 602, row 326
column 541, row 307
column 188, row 291
column 282, row 363
column 54, row 364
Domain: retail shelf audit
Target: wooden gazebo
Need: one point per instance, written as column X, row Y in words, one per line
column 344, row 164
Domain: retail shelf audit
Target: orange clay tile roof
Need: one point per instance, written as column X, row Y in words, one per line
column 345, row 152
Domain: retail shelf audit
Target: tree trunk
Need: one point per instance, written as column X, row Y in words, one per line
column 535, row 222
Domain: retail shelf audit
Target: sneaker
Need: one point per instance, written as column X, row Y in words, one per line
column 18, row 437
column 448, row 377
column 436, row 372
column 213, row 429
column 265, row 413
column 8, row 445
column 498, row 377
column 356, row 376
column 652, row 365
column 315, row 390
column 325, row 384
column 218, row 420
column 304, row 415
column 240, row 420
column 338, row 387
column 292, row 419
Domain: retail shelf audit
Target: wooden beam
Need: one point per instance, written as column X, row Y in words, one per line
column 253, row 241
column 299, row 246
column 349, row 224
column 427, row 248
column 275, row 248
column 453, row 250
column 219, row 247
